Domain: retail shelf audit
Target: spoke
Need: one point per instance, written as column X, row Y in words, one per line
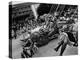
column 62, row 10
column 57, row 7
column 52, row 8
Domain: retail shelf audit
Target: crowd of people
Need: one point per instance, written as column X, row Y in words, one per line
column 65, row 25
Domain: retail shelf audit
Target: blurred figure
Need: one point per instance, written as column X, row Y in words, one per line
column 27, row 47
column 64, row 41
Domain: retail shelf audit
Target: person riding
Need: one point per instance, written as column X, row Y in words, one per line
column 53, row 25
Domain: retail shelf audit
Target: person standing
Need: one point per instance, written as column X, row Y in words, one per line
column 64, row 41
